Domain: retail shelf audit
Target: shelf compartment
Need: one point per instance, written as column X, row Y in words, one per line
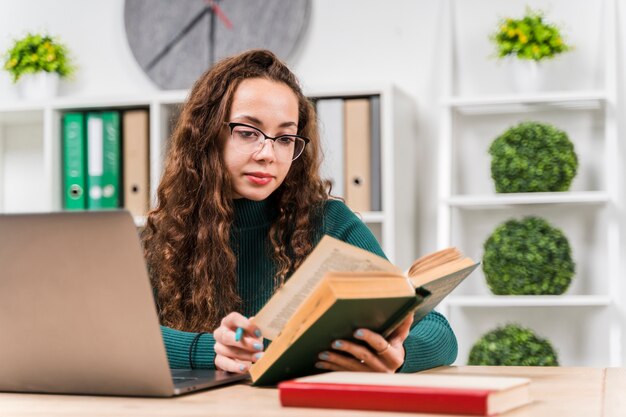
column 573, row 331
column 585, row 227
column 22, row 176
column 474, row 135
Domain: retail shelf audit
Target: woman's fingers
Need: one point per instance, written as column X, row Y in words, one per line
column 402, row 332
column 229, row 335
column 231, row 365
column 233, row 321
column 359, row 358
column 390, row 352
column 234, row 352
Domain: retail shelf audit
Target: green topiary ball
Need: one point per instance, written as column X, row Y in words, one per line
column 528, row 257
column 512, row 345
column 533, row 157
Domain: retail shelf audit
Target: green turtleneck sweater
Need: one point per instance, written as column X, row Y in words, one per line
column 431, row 341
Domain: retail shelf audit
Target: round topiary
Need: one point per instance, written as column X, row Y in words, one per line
column 532, row 157
column 512, row 345
column 528, row 257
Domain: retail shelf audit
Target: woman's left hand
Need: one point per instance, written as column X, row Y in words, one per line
column 380, row 356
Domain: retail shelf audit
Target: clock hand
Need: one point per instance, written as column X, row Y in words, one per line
column 217, row 10
column 177, row 38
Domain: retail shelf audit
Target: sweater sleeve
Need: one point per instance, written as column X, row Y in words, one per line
column 431, row 341
column 178, row 343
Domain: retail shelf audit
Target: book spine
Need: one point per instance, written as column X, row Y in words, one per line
column 384, row 398
column 357, row 154
column 111, row 152
column 376, row 155
column 104, row 166
column 330, row 115
column 74, row 161
column 136, row 164
column 94, row 160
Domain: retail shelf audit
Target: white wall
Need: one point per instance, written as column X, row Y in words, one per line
column 349, row 42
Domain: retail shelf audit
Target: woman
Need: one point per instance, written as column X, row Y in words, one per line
column 240, row 206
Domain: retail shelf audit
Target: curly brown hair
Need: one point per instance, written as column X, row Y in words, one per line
column 187, row 237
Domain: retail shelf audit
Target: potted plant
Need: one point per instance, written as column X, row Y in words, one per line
column 528, row 257
column 528, row 41
column 533, row 157
column 512, row 345
column 36, row 62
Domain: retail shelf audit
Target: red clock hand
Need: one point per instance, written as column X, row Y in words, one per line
column 217, row 10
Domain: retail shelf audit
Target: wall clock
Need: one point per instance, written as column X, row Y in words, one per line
column 175, row 41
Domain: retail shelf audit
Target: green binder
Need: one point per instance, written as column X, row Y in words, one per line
column 74, row 161
column 104, row 164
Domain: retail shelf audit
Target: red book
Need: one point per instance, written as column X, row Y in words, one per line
column 421, row 393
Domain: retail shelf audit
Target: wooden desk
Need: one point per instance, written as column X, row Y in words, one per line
column 557, row 392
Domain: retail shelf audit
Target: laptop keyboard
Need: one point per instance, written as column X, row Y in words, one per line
column 183, row 375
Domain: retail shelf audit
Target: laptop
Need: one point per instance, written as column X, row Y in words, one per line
column 77, row 314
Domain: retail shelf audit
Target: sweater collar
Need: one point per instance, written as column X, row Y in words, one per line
column 250, row 213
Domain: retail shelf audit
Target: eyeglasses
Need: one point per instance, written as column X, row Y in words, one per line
column 248, row 139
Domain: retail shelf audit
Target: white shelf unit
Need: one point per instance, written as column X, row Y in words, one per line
column 583, row 324
column 30, row 155
column 395, row 224
column 39, row 124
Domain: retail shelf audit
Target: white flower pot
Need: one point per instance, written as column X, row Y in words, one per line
column 527, row 76
column 39, row 86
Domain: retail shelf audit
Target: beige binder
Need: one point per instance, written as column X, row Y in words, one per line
column 358, row 150
column 136, row 162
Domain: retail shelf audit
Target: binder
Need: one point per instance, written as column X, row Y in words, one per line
column 358, row 154
column 330, row 115
column 376, row 155
column 74, row 162
column 103, row 160
column 136, row 165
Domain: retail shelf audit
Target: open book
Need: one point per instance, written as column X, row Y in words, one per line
column 340, row 288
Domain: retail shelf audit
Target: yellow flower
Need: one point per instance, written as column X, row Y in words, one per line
column 12, row 63
column 50, row 57
column 510, row 33
column 523, row 38
column 33, row 57
column 558, row 41
column 535, row 49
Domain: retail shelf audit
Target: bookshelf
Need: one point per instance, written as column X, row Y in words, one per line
column 31, row 168
column 584, row 324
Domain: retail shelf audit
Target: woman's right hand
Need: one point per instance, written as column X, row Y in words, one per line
column 233, row 356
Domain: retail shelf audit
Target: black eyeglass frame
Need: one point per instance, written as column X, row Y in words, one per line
column 232, row 125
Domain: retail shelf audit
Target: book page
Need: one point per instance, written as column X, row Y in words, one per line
column 418, row 380
column 435, row 259
column 329, row 255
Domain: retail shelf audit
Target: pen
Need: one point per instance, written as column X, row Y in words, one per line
column 238, row 334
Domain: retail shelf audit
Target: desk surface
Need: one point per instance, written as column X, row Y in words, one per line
column 556, row 392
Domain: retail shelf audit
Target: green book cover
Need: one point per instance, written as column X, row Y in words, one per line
column 74, row 161
column 340, row 288
column 340, row 321
column 104, row 160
